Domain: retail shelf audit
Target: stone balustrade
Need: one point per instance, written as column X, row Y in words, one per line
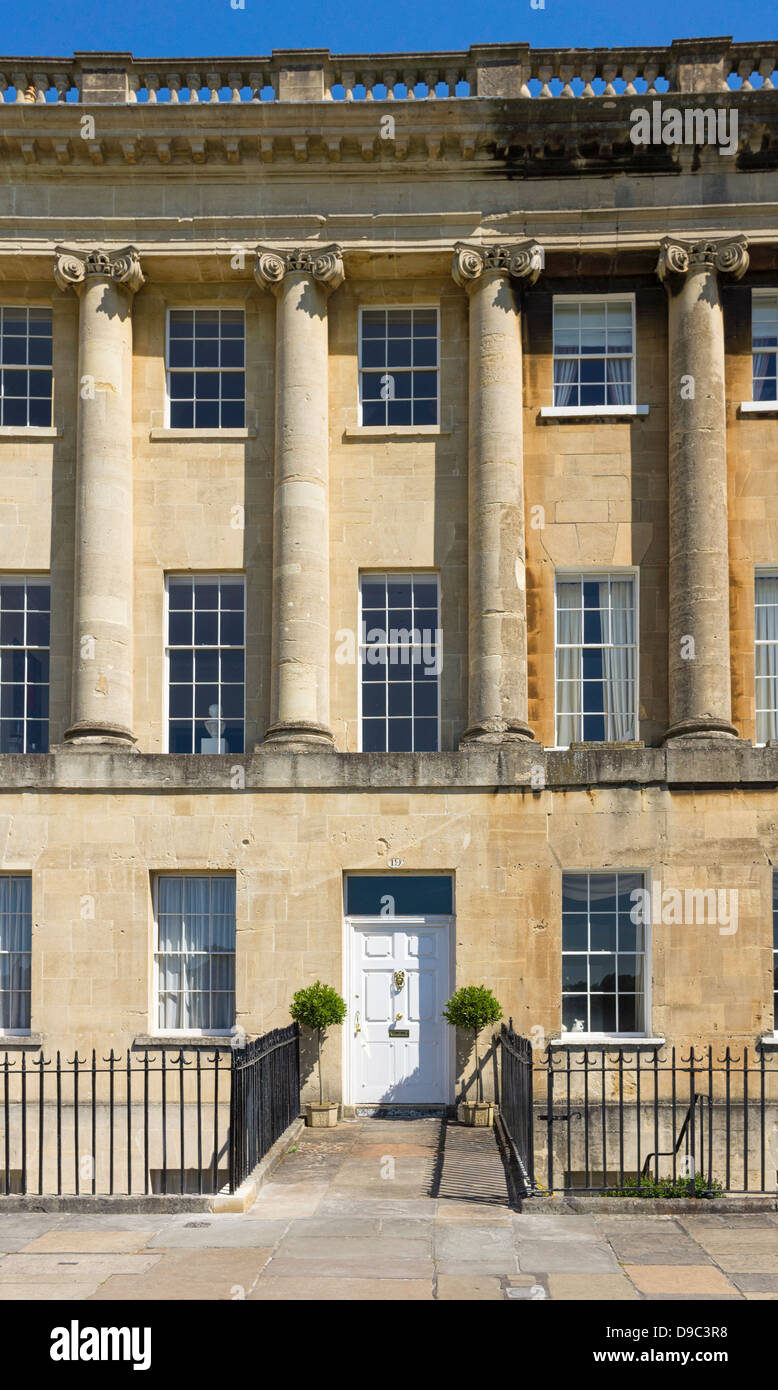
column 484, row 70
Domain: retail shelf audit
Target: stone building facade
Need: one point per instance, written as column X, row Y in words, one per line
column 407, row 247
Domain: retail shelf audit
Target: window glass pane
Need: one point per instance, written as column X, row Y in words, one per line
column 611, row 972
column 412, row 895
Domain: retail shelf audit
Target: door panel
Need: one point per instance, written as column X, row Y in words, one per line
column 399, row 985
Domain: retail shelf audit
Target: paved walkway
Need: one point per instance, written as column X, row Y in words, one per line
column 349, row 1214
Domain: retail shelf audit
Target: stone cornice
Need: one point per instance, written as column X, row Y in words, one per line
column 72, row 267
column 321, row 263
column 526, row 769
column 678, row 258
column 520, row 260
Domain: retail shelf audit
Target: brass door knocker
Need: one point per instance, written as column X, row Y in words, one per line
column 399, row 979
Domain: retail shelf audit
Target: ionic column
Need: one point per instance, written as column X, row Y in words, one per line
column 301, row 281
column 497, row 607
column 700, row 703
column 105, row 282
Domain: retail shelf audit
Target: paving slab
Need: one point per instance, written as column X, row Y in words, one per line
column 74, row 1267
column 691, row 1280
column 566, row 1257
column 226, row 1275
column 376, row 1208
column 607, row 1288
column 673, row 1248
column 106, row 1242
column 566, row 1227
column 477, row 1288
column 35, row 1292
column 756, row 1283
column 352, row 1267
column 237, row 1235
column 311, row 1289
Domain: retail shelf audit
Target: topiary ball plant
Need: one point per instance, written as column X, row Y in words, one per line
column 473, row 1007
column 318, row 1007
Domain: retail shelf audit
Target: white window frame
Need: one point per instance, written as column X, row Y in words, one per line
column 29, row 367
column 411, row 428
column 573, row 410
column 566, row 574
column 41, row 580
column 21, row 1032
column 209, row 578
column 399, row 574
column 760, row 572
column 569, row 1038
column 754, row 406
column 178, row 308
column 154, row 1028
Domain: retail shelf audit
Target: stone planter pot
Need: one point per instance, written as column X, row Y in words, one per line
column 478, row 1112
column 322, row 1116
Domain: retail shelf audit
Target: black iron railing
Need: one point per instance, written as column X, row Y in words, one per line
column 265, row 1098
column 644, row 1121
column 516, row 1106
column 161, row 1121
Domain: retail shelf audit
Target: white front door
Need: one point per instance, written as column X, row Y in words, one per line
column 400, row 1042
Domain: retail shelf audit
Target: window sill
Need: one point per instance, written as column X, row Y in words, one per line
column 14, row 1042
column 395, row 432
column 204, row 435
column 156, row 1041
column 30, row 432
column 591, row 412
column 598, row 1040
column 767, row 1043
column 758, row 408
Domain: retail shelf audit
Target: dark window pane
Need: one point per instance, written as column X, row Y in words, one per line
column 425, row 352
column 399, row 594
column 179, row 629
column 425, row 735
column 400, row 698
column 206, row 352
column 180, row 704
column 232, row 353
column 181, row 666
column 373, row 352
column 602, row 972
column 594, row 728
column 574, row 892
column 11, row 629
column 425, row 698
column 37, row 736
column 414, row 895
column 575, row 1013
column 373, row 735
column 206, row 594
column 400, row 735
column 574, row 932
column 206, row 667
column 12, row 701
column 232, row 665
column 206, row 701
column 399, row 413
column 233, row 735
column 181, row 354
column 233, row 415
column 181, row 386
column 574, row 972
column 602, row 892
column 206, row 415
column 180, row 594
column 425, row 412
column 206, row 627
column 374, row 700
column 232, row 629
column 12, row 596
column 233, row 386
column 181, row 415
column 180, row 737
column 373, row 594
column 603, row 932
column 630, row 1013
column 603, row 1013
column 38, row 629
column 232, row 701
column 374, row 414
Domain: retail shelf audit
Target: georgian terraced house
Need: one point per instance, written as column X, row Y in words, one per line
column 389, row 549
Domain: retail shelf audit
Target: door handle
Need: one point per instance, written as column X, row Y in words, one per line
column 357, row 1028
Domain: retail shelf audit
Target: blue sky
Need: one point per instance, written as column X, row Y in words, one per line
column 180, row 28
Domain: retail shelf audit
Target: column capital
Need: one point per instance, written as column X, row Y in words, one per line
column 522, row 260
column 322, row 263
column 677, row 258
column 73, row 268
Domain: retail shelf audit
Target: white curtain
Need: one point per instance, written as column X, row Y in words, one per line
column 761, row 381
column 766, row 657
column 196, row 917
column 15, row 945
column 565, row 378
column 619, row 375
column 568, row 664
column 618, row 661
